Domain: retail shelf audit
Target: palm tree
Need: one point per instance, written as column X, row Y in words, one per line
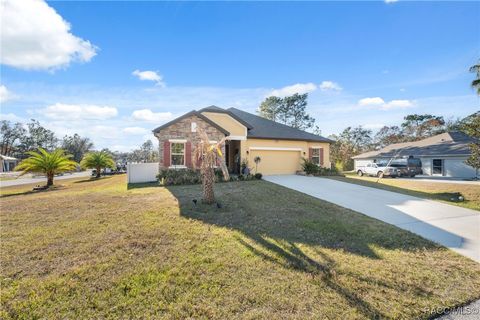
column 476, row 82
column 206, row 155
column 47, row 163
column 98, row 160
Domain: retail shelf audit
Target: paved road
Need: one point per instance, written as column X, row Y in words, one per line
column 454, row 227
column 469, row 312
column 40, row 180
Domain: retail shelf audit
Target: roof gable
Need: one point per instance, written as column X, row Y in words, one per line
column 189, row 114
column 267, row 129
column 216, row 109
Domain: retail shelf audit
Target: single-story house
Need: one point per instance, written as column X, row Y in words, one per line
column 280, row 147
column 7, row 164
column 440, row 155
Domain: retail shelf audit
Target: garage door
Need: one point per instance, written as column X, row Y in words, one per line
column 277, row 162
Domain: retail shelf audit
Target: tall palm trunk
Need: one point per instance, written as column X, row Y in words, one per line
column 208, row 180
column 98, row 172
column 49, row 179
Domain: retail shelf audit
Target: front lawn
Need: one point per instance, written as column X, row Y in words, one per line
column 441, row 191
column 95, row 249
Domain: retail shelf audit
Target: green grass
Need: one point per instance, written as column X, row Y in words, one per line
column 100, row 250
column 444, row 192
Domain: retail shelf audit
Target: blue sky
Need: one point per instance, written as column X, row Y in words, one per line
column 363, row 63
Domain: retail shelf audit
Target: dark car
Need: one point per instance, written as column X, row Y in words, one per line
column 404, row 170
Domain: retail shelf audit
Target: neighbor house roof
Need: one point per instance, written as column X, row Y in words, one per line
column 189, row 114
column 7, row 158
column 262, row 128
column 445, row 144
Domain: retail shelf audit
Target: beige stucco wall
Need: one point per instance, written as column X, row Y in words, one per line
column 246, row 145
column 228, row 123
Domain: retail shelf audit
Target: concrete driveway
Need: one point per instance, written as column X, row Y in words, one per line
column 454, row 227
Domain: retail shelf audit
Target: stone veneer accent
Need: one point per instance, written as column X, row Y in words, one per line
column 183, row 130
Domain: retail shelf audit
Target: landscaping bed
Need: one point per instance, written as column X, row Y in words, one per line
column 95, row 249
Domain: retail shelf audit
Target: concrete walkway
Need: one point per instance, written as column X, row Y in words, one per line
column 454, row 227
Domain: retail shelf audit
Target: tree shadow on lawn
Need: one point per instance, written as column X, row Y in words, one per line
column 30, row 191
column 93, row 179
column 276, row 219
column 154, row 184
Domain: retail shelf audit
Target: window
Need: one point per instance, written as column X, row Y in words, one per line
column 437, row 166
column 194, row 127
column 316, row 156
column 177, row 154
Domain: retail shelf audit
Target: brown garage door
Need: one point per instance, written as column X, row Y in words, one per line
column 277, row 162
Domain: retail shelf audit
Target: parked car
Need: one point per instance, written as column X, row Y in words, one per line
column 404, row 170
column 413, row 165
column 377, row 169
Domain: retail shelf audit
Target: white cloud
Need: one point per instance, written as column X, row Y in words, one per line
column 378, row 102
column 136, row 130
column 149, row 76
column 61, row 111
column 299, row 88
column 11, row 117
column 330, row 86
column 5, row 94
column 390, row 1
column 398, row 104
column 150, row 116
column 35, row 37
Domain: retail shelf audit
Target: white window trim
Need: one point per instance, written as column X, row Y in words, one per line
column 236, row 138
column 317, row 148
column 177, row 140
column 176, row 154
column 275, row 149
column 177, row 167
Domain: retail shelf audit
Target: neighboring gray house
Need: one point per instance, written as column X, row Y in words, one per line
column 441, row 155
column 7, row 164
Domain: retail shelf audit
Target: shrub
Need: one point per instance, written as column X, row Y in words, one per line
column 258, row 176
column 170, row 177
column 177, row 177
column 309, row 167
column 327, row 172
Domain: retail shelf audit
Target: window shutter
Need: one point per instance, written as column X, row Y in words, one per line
column 166, row 153
column 188, row 154
column 321, row 156
column 310, row 153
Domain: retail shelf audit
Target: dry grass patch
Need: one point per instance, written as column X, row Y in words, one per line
column 99, row 250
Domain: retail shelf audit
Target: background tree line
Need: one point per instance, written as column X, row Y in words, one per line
column 353, row 141
column 16, row 139
column 292, row 111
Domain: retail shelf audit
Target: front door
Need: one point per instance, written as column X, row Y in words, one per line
column 437, row 167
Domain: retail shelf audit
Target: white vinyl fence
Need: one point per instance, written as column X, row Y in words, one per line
column 142, row 172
